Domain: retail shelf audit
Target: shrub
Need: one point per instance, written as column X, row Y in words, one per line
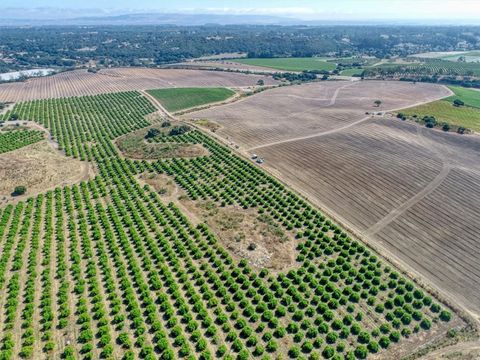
column 328, row 352
column 361, row 352
column 294, row 352
column 445, row 315
column 19, row 190
column 179, row 130
column 152, row 133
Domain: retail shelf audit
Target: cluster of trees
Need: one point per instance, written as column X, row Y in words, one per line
column 303, row 76
column 179, row 130
column 150, row 45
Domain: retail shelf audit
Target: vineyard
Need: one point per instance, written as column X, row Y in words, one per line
column 106, row 269
column 16, row 139
column 427, row 67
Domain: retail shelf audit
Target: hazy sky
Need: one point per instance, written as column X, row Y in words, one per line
column 307, row 9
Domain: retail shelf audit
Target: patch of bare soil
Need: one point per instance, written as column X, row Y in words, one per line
column 207, row 124
column 248, row 235
column 39, row 167
column 245, row 233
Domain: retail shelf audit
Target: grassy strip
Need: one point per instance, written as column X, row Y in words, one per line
column 352, row 72
column 444, row 111
column 468, row 96
column 291, row 64
column 175, row 99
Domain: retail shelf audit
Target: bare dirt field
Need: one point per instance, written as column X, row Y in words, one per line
column 296, row 111
column 39, row 167
column 81, row 82
column 412, row 192
column 226, row 65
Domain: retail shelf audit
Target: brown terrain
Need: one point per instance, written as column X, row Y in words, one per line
column 225, row 65
column 39, row 167
column 411, row 192
column 81, row 82
column 289, row 113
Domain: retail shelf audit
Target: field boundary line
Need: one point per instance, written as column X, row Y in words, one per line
column 332, row 131
column 328, row 132
column 395, row 213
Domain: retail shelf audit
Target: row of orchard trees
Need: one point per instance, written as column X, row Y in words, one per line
column 16, row 139
column 126, row 276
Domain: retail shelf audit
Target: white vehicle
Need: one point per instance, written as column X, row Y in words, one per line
column 254, row 156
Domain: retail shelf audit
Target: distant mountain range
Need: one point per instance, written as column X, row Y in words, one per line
column 153, row 19
column 65, row 17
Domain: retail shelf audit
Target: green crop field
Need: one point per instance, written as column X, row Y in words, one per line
column 444, row 111
column 16, row 139
column 113, row 268
column 470, row 97
column 291, row 64
column 176, row 99
column 352, row 72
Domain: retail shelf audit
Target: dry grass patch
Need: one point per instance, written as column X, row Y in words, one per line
column 135, row 146
column 39, row 167
column 247, row 234
column 207, row 124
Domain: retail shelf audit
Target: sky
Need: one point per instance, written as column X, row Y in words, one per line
column 302, row 9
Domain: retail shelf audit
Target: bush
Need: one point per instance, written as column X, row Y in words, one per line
column 384, row 342
column 361, row 352
column 445, row 315
column 152, row 133
column 430, row 121
column 19, row 190
column 166, row 124
column 328, row 352
column 373, row 347
column 179, row 130
column 446, row 127
column 294, row 352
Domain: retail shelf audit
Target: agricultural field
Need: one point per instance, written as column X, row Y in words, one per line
column 444, row 111
column 81, row 82
column 428, row 67
column 176, row 99
column 16, row 139
column 352, row 72
column 116, row 267
column 372, row 172
column 291, row 64
column 293, row 112
column 469, row 56
column 471, row 97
